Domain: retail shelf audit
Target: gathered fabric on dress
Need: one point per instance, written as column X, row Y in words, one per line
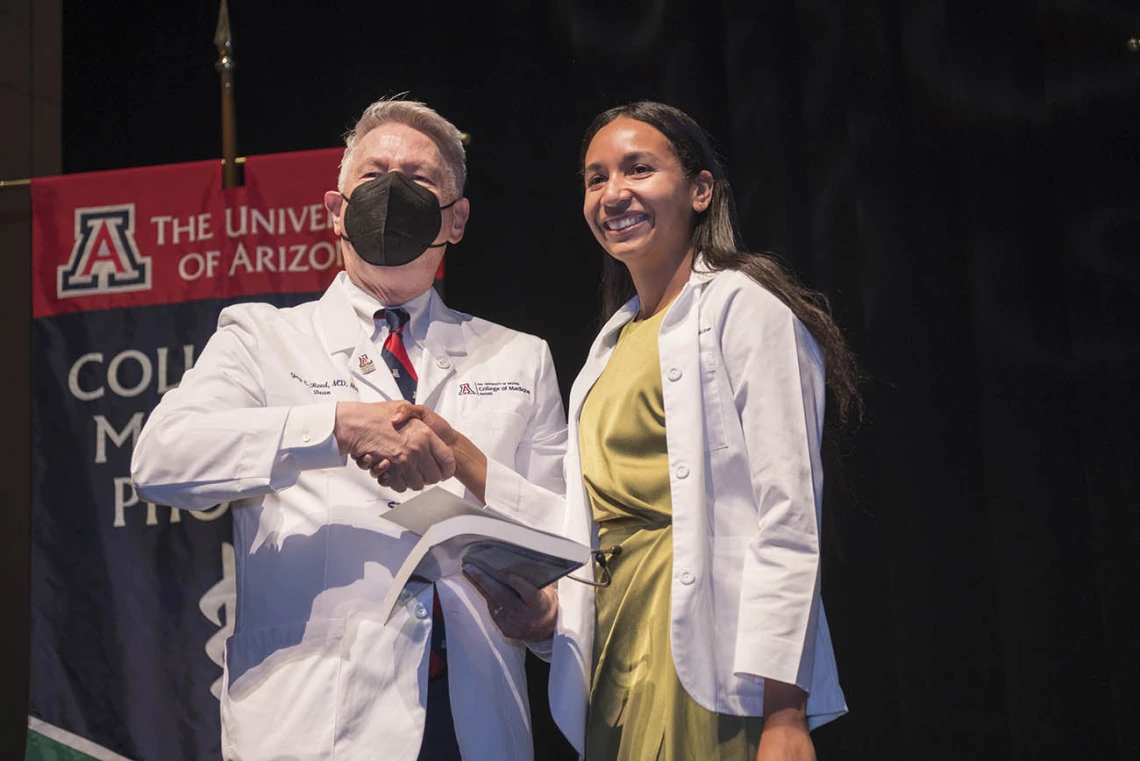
column 639, row 709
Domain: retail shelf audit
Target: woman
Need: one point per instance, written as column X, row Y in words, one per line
column 696, row 426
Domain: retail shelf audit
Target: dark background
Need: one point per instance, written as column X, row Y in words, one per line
column 961, row 179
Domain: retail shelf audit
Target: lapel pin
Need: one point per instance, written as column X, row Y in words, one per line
column 366, row 365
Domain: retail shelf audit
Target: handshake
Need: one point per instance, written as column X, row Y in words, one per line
column 407, row 446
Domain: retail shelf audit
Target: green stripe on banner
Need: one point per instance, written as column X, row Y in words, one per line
column 47, row 742
column 41, row 748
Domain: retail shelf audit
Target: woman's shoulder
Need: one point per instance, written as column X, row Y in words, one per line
column 732, row 291
column 746, row 314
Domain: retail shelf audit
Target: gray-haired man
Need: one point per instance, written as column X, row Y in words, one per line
column 267, row 419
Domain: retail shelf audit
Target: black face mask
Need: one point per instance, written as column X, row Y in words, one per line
column 392, row 220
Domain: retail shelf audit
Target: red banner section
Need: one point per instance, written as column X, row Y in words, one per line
column 170, row 234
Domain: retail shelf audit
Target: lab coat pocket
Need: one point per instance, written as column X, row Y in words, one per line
column 711, row 376
column 279, row 698
column 382, row 704
column 352, row 487
column 495, row 431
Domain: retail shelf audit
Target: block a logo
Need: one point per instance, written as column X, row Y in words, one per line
column 106, row 258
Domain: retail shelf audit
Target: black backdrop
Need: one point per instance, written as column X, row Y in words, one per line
column 962, row 180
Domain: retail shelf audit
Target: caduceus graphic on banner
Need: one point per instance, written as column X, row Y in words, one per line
column 132, row 601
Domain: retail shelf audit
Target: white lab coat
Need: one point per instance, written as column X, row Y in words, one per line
column 312, row 673
column 743, row 387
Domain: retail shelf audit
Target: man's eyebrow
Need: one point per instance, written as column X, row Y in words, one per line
column 423, row 166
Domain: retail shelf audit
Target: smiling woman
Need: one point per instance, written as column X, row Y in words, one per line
column 696, row 428
column 713, row 231
column 640, row 204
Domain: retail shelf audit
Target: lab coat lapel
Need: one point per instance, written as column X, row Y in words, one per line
column 349, row 346
column 599, row 356
column 444, row 347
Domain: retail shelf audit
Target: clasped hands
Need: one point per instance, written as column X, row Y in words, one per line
column 406, row 446
column 403, row 446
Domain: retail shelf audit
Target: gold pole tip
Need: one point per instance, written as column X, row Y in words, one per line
column 223, row 36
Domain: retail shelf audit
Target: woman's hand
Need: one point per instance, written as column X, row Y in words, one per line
column 785, row 735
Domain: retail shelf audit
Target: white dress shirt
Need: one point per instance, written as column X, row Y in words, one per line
column 366, row 305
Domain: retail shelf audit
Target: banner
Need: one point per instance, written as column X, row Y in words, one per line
column 132, row 601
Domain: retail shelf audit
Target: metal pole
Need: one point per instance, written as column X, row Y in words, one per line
column 223, row 41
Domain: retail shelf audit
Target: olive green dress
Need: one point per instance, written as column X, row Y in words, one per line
column 639, row 710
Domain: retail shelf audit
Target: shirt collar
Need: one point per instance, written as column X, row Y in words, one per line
column 365, row 306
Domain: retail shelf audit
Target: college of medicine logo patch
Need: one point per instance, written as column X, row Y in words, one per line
column 106, row 258
column 480, row 388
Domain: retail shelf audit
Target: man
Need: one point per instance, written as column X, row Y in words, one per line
column 278, row 401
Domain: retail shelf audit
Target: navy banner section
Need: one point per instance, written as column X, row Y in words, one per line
column 132, row 601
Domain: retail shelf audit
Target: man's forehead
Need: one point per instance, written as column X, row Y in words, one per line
column 395, row 142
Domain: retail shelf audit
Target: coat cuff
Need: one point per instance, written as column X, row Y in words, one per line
column 503, row 492
column 308, row 438
column 543, row 649
column 766, row 657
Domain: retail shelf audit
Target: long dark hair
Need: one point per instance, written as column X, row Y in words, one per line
column 716, row 238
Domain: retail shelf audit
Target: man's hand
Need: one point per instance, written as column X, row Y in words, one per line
column 410, row 455
column 520, row 610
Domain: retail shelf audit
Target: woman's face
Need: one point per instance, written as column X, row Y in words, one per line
column 638, row 202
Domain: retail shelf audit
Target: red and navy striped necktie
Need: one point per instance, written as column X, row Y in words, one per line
column 395, row 354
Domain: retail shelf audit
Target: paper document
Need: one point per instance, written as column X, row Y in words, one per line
column 455, row 532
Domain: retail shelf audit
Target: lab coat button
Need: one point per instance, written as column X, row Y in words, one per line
column 681, row 471
column 674, row 373
column 443, row 362
column 421, row 611
column 687, row 577
column 306, row 438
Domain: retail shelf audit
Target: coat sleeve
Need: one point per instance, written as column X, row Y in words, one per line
column 531, row 488
column 214, row 438
column 777, row 377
